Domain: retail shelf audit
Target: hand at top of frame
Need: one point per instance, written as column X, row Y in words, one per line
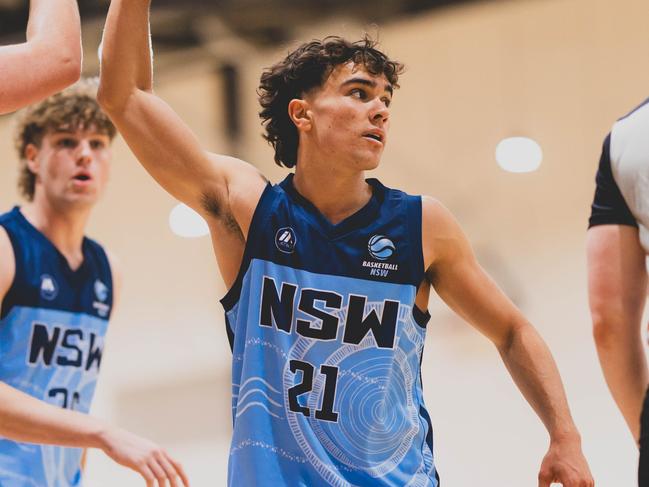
column 564, row 463
column 143, row 456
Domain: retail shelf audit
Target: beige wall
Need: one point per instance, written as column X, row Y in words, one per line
column 559, row 71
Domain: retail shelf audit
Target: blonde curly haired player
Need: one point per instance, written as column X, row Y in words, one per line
column 58, row 289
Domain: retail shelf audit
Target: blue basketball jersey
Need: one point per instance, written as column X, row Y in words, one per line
column 52, row 326
column 327, row 346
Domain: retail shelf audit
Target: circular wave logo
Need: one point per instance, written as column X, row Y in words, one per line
column 381, row 247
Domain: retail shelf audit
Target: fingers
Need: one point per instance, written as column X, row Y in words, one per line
column 168, row 468
column 165, row 469
column 545, row 478
column 181, row 471
column 146, row 472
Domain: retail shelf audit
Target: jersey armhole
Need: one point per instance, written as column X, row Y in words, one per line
column 14, row 250
column 263, row 207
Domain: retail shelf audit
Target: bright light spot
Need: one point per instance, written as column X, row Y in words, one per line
column 185, row 222
column 519, row 154
column 100, row 49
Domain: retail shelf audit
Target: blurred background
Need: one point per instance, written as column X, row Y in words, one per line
column 558, row 72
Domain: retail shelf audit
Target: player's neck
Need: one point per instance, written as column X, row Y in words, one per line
column 337, row 196
column 64, row 228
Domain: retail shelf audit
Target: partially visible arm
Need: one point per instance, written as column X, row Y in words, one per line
column 617, row 287
column 27, row 419
column 160, row 140
column 49, row 61
column 468, row 290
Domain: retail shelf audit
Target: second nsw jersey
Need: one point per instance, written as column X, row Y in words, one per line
column 52, row 325
column 327, row 345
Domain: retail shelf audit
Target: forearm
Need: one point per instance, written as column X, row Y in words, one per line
column 49, row 61
column 126, row 53
column 26, row 419
column 624, row 365
column 534, row 371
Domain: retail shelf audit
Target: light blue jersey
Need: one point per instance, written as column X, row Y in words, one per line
column 327, row 345
column 52, row 326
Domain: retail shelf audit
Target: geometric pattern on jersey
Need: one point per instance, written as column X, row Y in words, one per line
column 327, row 346
column 621, row 196
column 52, row 326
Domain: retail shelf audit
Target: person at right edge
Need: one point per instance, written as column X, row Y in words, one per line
column 617, row 245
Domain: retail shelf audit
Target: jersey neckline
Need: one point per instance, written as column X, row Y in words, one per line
column 64, row 261
column 355, row 221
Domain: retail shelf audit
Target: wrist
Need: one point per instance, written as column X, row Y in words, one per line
column 565, row 435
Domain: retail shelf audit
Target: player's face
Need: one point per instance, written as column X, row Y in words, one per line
column 71, row 167
column 350, row 116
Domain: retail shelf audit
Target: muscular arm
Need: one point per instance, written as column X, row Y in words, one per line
column 617, row 286
column 49, row 61
column 160, row 140
column 468, row 290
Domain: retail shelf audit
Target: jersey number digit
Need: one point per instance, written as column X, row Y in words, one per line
column 326, row 412
column 65, row 397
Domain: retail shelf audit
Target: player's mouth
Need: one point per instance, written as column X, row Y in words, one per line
column 82, row 178
column 376, row 135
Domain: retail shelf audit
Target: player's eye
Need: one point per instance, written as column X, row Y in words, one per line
column 67, row 143
column 97, row 144
column 358, row 93
column 386, row 100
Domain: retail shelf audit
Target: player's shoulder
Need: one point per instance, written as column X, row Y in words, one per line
column 435, row 214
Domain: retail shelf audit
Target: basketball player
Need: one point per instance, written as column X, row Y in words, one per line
column 49, row 61
column 617, row 244
column 57, row 291
column 329, row 273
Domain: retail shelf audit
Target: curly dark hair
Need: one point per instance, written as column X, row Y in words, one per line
column 303, row 69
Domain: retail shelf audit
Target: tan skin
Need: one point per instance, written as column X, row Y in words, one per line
column 617, row 292
column 48, row 61
column 72, row 169
column 334, row 123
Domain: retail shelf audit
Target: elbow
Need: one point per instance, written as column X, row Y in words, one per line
column 69, row 64
column 71, row 71
column 108, row 98
column 604, row 332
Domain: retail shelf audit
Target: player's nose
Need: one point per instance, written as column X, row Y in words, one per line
column 84, row 153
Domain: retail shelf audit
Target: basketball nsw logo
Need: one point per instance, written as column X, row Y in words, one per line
column 380, row 247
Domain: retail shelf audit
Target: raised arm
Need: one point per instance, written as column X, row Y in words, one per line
column 468, row 290
column 160, row 140
column 49, row 61
column 617, row 290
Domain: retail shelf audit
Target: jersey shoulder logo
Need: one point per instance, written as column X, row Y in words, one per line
column 285, row 240
column 381, row 247
column 101, row 290
column 49, row 288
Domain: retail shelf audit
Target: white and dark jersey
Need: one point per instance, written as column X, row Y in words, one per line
column 327, row 345
column 622, row 193
column 52, row 326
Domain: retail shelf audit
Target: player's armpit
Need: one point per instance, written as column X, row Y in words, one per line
column 159, row 138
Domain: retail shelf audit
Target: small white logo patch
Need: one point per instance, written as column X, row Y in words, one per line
column 101, row 290
column 49, row 288
column 285, row 240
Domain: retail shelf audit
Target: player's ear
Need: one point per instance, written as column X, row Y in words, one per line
column 298, row 111
column 31, row 151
